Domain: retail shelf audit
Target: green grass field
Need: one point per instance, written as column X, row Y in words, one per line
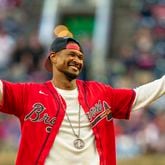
column 144, row 160
column 8, row 159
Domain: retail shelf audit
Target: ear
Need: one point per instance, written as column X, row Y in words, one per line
column 53, row 57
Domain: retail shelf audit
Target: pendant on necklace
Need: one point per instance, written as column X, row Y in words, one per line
column 79, row 143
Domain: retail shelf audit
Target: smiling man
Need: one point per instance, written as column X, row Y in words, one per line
column 67, row 121
column 66, row 58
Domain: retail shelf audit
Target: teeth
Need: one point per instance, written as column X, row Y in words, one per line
column 75, row 67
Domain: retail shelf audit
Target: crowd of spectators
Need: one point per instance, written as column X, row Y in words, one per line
column 138, row 63
column 21, row 59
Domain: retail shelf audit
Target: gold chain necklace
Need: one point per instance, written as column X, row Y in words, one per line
column 78, row 142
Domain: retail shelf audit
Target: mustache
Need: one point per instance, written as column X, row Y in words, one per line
column 74, row 63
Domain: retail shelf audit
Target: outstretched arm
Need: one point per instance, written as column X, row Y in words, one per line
column 148, row 93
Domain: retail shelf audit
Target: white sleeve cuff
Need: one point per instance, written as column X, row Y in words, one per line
column 148, row 93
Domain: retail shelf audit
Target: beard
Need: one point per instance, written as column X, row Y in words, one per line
column 70, row 76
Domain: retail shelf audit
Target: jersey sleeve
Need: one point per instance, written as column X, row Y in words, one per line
column 122, row 102
column 13, row 98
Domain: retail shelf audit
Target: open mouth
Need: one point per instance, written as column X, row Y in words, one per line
column 74, row 66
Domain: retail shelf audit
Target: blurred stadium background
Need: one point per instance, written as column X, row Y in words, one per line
column 124, row 43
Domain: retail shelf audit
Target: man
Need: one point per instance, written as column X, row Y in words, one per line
column 68, row 121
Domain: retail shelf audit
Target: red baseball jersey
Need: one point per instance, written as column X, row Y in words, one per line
column 40, row 111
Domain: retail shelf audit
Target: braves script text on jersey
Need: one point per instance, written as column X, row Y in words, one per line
column 40, row 111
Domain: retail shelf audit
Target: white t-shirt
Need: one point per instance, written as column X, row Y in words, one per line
column 63, row 151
